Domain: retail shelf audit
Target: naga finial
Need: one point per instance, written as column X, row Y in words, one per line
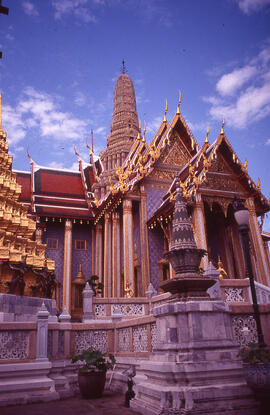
column 207, row 134
column 223, row 123
column 166, row 110
column 179, row 102
column 76, row 153
column 28, row 155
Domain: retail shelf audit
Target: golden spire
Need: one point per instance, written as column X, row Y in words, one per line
column 207, row 134
column 140, row 126
column 259, row 184
column 144, row 131
column 179, row 102
column 245, row 165
column 138, row 136
column 223, row 123
column 166, row 110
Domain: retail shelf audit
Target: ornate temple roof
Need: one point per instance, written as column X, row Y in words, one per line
column 60, row 192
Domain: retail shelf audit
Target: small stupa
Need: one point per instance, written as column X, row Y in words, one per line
column 185, row 257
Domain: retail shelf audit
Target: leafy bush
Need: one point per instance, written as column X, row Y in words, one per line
column 93, row 360
column 253, row 354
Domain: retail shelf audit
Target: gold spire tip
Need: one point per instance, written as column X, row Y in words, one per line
column 144, row 130
column 179, row 102
column 207, row 134
column 223, row 123
column 166, row 110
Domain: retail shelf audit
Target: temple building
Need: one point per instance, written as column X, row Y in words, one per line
column 113, row 218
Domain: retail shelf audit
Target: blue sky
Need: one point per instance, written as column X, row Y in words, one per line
column 61, row 59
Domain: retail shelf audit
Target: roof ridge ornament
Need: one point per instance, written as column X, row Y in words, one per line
column 179, row 102
column 166, row 110
column 76, row 153
column 223, row 123
column 28, row 155
column 207, row 134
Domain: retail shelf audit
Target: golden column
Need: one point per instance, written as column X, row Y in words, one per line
column 67, row 266
column 258, row 243
column 145, row 273
column 128, row 244
column 107, row 256
column 116, row 258
column 98, row 255
column 199, row 225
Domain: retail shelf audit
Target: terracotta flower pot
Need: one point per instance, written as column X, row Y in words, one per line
column 91, row 384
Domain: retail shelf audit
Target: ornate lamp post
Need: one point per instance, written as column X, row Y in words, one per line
column 241, row 215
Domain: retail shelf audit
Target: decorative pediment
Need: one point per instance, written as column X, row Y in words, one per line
column 175, row 154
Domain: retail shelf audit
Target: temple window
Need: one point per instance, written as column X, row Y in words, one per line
column 52, row 243
column 80, row 244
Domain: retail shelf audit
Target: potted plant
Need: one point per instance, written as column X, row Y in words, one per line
column 92, row 372
column 256, row 364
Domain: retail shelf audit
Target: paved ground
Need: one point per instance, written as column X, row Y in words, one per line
column 110, row 404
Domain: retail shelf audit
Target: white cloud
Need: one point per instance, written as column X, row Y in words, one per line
column 80, row 99
column 153, row 125
column 231, row 82
column 250, row 6
column 100, row 130
column 77, row 7
column 252, row 83
column 41, row 111
column 86, row 10
column 29, row 8
column 268, row 142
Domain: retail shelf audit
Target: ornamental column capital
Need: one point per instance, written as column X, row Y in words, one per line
column 68, row 225
column 127, row 205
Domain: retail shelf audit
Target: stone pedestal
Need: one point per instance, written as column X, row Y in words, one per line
column 42, row 334
column 88, row 313
column 194, row 368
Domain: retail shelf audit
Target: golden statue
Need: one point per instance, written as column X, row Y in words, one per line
column 128, row 291
column 221, row 270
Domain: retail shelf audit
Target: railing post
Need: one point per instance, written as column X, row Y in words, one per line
column 150, row 293
column 42, row 334
column 88, row 313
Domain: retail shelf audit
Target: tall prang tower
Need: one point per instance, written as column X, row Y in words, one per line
column 124, row 129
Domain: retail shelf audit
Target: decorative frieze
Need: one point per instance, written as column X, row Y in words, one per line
column 14, row 345
column 128, row 309
column 244, row 329
column 100, row 310
column 91, row 338
column 234, row 295
column 140, row 338
column 124, row 339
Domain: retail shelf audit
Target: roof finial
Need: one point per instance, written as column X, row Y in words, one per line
column 123, row 67
column 87, row 146
column 207, row 134
column 223, row 123
column 77, row 154
column 28, row 155
column 179, row 102
column 144, row 131
column 166, row 110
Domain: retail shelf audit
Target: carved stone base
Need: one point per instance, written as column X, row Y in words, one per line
column 188, row 287
column 194, row 368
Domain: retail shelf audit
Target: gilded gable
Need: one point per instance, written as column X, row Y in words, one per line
column 175, row 154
